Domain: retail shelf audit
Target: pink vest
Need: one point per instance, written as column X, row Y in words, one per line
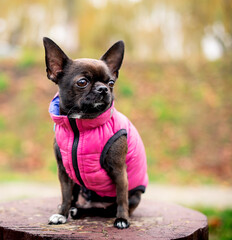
column 84, row 143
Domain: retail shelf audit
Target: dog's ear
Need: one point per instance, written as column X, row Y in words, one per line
column 55, row 59
column 113, row 57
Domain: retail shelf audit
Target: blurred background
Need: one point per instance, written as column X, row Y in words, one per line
column 175, row 85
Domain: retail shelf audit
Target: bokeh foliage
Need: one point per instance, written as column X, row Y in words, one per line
column 219, row 221
column 152, row 29
column 182, row 111
column 180, row 102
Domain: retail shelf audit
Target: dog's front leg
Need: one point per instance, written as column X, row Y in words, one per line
column 121, row 183
column 115, row 165
column 66, row 189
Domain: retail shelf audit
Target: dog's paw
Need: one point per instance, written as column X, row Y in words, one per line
column 121, row 223
column 57, row 219
column 74, row 213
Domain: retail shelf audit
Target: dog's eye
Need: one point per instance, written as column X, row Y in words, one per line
column 82, row 83
column 111, row 83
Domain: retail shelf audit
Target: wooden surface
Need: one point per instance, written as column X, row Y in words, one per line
column 28, row 219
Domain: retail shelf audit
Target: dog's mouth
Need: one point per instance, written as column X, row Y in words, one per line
column 89, row 109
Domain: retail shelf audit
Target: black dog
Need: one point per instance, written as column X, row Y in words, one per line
column 100, row 156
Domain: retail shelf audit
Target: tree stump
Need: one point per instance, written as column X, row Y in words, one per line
column 27, row 220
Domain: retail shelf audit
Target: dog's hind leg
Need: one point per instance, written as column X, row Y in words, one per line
column 66, row 189
column 134, row 200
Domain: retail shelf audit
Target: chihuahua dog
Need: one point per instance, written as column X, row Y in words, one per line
column 100, row 156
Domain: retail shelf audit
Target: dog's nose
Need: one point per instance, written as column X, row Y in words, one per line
column 102, row 89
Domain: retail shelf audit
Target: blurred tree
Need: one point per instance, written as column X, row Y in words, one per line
column 151, row 28
column 206, row 17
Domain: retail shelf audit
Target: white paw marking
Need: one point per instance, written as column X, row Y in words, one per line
column 57, row 219
column 123, row 224
column 119, row 225
column 73, row 211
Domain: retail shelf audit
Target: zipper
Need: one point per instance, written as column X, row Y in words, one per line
column 76, row 132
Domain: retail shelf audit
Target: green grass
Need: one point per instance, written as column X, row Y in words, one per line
column 11, row 144
column 177, row 110
column 2, row 123
column 9, row 175
column 178, row 176
column 124, row 86
column 220, row 223
column 4, row 82
column 27, row 59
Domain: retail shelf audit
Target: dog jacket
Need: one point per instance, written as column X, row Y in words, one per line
column 84, row 144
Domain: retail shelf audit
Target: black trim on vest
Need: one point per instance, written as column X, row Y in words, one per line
column 139, row 188
column 109, row 143
column 94, row 197
column 76, row 133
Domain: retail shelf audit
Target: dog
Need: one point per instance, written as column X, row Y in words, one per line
column 100, row 156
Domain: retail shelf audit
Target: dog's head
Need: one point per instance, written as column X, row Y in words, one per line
column 85, row 85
